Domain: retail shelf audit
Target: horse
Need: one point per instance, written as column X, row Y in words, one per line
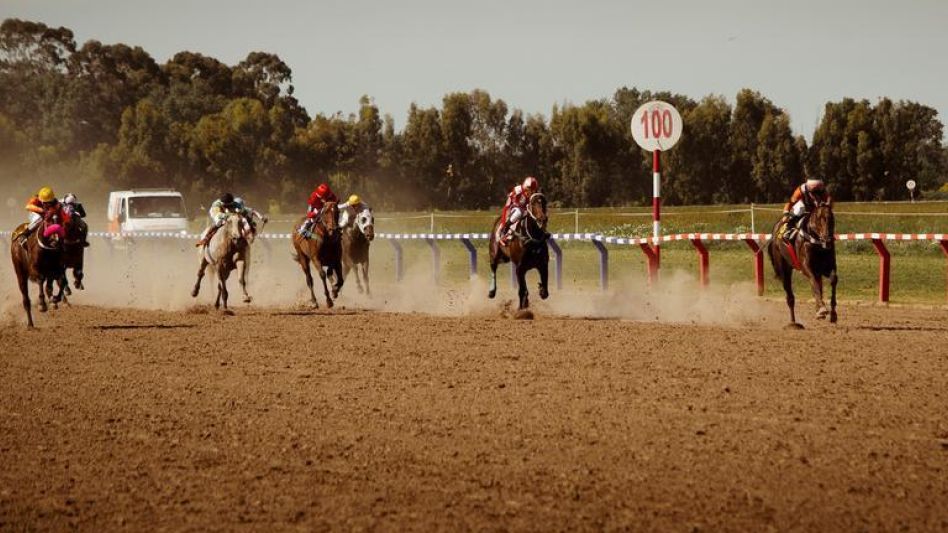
column 323, row 250
column 229, row 245
column 74, row 251
column 813, row 252
column 355, row 247
column 527, row 249
column 39, row 260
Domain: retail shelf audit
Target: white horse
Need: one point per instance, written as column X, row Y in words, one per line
column 355, row 245
column 229, row 246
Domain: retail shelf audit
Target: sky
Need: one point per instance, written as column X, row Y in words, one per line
column 537, row 53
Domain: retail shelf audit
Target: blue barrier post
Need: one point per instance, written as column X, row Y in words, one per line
column 435, row 258
column 557, row 262
column 398, row 258
column 603, row 264
column 472, row 253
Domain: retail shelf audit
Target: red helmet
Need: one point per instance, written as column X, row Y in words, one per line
column 323, row 190
column 531, row 183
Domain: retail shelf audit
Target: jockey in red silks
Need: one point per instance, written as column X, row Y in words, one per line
column 514, row 207
column 804, row 199
column 44, row 206
column 317, row 200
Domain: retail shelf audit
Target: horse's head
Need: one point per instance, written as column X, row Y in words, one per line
column 536, row 209
column 236, row 228
column 329, row 218
column 51, row 234
column 365, row 221
column 822, row 224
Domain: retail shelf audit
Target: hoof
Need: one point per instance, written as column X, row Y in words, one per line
column 523, row 314
column 247, row 299
column 329, row 304
column 80, row 286
column 793, row 325
column 67, row 291
column 822, row 313
column 194, row 293
column 833, row 317
column 544, row 294
column 491, row 294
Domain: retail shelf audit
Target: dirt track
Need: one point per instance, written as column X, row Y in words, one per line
column 362, row 420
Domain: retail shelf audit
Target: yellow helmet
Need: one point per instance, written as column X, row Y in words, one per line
column 46, row 194
column 355, row 200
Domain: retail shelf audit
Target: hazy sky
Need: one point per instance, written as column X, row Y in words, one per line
column 535, row 53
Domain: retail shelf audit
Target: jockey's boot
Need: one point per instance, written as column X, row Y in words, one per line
column 206, row 238
column 306, row 230
column 790, row 229
column 505, row 234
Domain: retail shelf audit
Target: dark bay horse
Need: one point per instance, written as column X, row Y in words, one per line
column 39, row 260
column 323, row 250
column 74, row 251
column 229, row 246
column 813, row 252
column 355, row 247
column 527, row 248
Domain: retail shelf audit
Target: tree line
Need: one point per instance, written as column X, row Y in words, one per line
column 108, row 116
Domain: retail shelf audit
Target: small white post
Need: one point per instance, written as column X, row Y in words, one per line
column 576, row 221
column 753, row 226
column 432, row 222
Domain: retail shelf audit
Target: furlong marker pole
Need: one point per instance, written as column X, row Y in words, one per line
column 657, row 206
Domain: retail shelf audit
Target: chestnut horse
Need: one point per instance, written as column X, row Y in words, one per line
column 229, row 246
column 813, row 252
column 355, row 247
column 527, row 248
column 323, row 250
column 40, row 260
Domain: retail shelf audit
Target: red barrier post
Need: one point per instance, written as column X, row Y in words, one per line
column 652, row 260
column 758, row 264
column 885, row 265
column 944, row 248
column 703, row 261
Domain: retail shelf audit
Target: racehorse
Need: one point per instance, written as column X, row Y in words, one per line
column 74, row 251
column 355, row 247
column 39, row 260
column 812, row 251
column 323, row 250
column 527, row 248
column 229, row 245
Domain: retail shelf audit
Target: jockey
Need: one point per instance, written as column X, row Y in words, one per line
column 515, row 205
column 804, row 199
column 41, row 207
column 218, row 212
column 73, row 208
column 350, row 209
column 321, row 194
column 251, row 214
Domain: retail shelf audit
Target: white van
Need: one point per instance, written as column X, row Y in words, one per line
column 143, row 210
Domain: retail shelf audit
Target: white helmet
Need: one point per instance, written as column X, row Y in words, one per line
column 815, row 184
column 69, row 199
column 239, row 202
column 531, row 183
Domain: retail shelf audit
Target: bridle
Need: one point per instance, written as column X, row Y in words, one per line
column 824, row 242
column 538, row 224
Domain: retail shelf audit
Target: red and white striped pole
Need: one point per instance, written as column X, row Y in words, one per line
column 657, row 206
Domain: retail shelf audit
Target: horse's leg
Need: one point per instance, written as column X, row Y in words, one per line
column 42, row 297
column 833, row 279
column 23, row 281
column 492, row 290
column 322, row 276
column 244, row 269
column 304, row 264
column 222, row 275
column 347, row 266
column 336, row 271
column 64, row 282
column 791, row 301
column 522, row 283
column 544, row 270
column 365, row 274
column 816, row 284
column 197, row 284
column 78, row 274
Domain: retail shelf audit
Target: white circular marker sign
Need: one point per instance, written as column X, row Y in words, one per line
column 656, row 125
column 910, row 184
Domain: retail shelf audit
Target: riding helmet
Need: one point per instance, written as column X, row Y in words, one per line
column 46, row 195
column 227, row 199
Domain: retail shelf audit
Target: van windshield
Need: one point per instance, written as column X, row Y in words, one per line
column 156, row 207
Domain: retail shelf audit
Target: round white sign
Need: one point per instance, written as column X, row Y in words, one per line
column 910, row 184
column 656, row 125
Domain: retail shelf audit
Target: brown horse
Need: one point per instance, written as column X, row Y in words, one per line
column 355, row 247
column 74, row 251
column 527, row 249
column 39, row 260
column 813, row 252
column 229, row 246
column 323, row 250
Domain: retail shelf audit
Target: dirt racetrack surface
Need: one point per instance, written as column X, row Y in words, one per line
column 281, row 419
